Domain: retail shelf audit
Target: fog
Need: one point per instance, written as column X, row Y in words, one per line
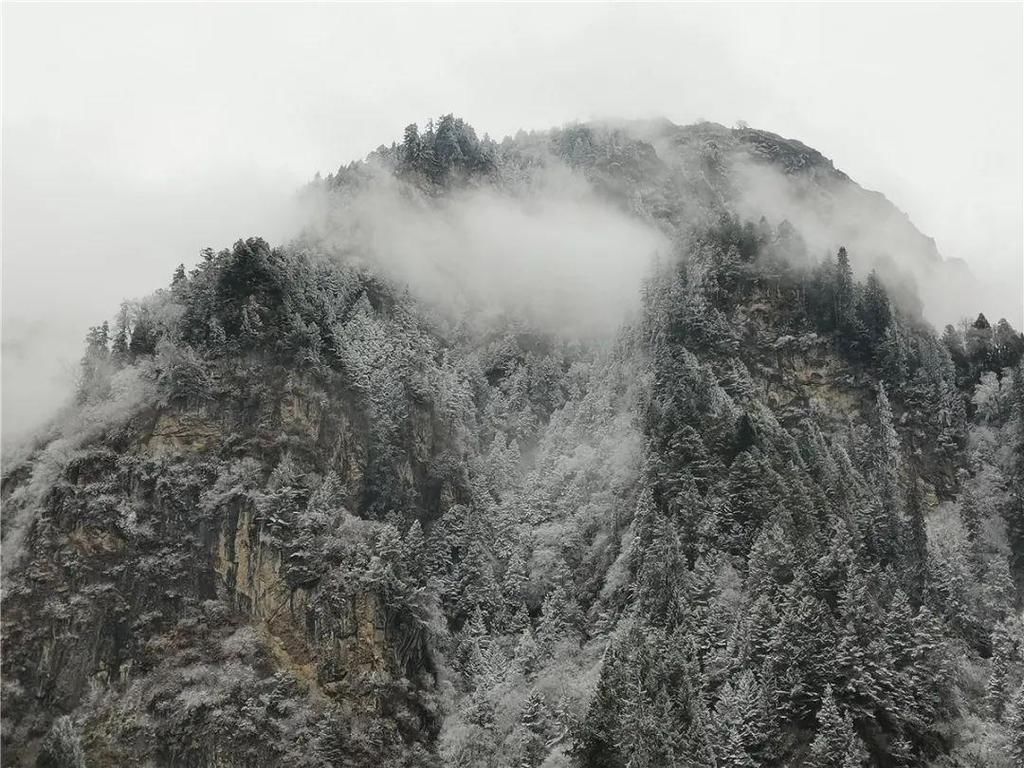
column 73, row 253
column 136, row 134
column 558, row 258
column 877, row 236
column 72, row 427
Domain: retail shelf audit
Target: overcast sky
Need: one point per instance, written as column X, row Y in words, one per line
column 136, row 134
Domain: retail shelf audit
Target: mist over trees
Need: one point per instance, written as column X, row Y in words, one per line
column 766, row 516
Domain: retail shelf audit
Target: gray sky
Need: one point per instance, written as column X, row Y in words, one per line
column 136, row 134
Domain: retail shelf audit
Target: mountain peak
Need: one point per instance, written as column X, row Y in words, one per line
column 609, row 445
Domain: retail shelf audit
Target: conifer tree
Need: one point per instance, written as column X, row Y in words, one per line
column 915, row 543
column 1013, row 512
column 834, row 735
column 661, row 584
column 1016, row 728
column 885, row 530
column 411, row 147
column 859, row 664
column 526, row 654
column 597, row 741
column 557, row 617
column 1004, row 648
column 119, row 348
column 929, row 672
column 856, row 754
column 754, row 490
column 970, row 515
column 875, row 310
column 144, row 335
column 514, row 581
column 474, row 584
column 178, row 279
column 895, row 356
column 414, row 554
column 843, row 295
column 94, row 379
column 536, row 719
column 742, row 731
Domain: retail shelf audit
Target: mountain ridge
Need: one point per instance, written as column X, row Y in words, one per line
column 823, row 202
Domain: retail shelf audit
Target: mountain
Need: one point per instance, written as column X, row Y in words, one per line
column 620, row 444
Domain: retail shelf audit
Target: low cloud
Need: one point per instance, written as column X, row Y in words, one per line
column 830, row 213
column 558, row 258
column 80, row 236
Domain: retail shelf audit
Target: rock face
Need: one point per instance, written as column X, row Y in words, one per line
column 137, row 559
column 179, row 433
column 333, row 654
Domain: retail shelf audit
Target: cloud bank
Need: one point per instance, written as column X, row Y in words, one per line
column 560, row 258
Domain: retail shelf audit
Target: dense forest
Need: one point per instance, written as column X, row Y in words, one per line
column 300, row 515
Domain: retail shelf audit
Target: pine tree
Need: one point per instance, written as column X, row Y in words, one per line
column 527, row 654
column 1004, row 648
column 834, row 736
column 856, row 754
column 843, row 293
column 803, row 655
column 876, row 313
column 479, row 711
column 474, row 584
column 144, row 335
column 915, row 543
column 119, row 349
column 517, row 619
column 885, row 529
column 597, row 743
column 895, row 356
column 514, row 581
column 970, row 514
column 695, row 747
column 860, row 664
column 979, row 342
column 536, row 716
column 998, row 590
column 754, row 490
column 1016, row 729
column 647, row 738
column 410, row 154
column 94, row 380
column 484, row 663
column 476, row 629
column 251, row 328
column 690, row 460
column 660, row 588
column 901, row 642
column 414, row 554
column 929, row 672
column 558, row 615
column 953, row 340
column 742, row 731
column 178, row 278
column 536, row 720
column 1013, row 511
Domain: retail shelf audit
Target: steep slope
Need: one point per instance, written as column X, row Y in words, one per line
column 346, row 502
